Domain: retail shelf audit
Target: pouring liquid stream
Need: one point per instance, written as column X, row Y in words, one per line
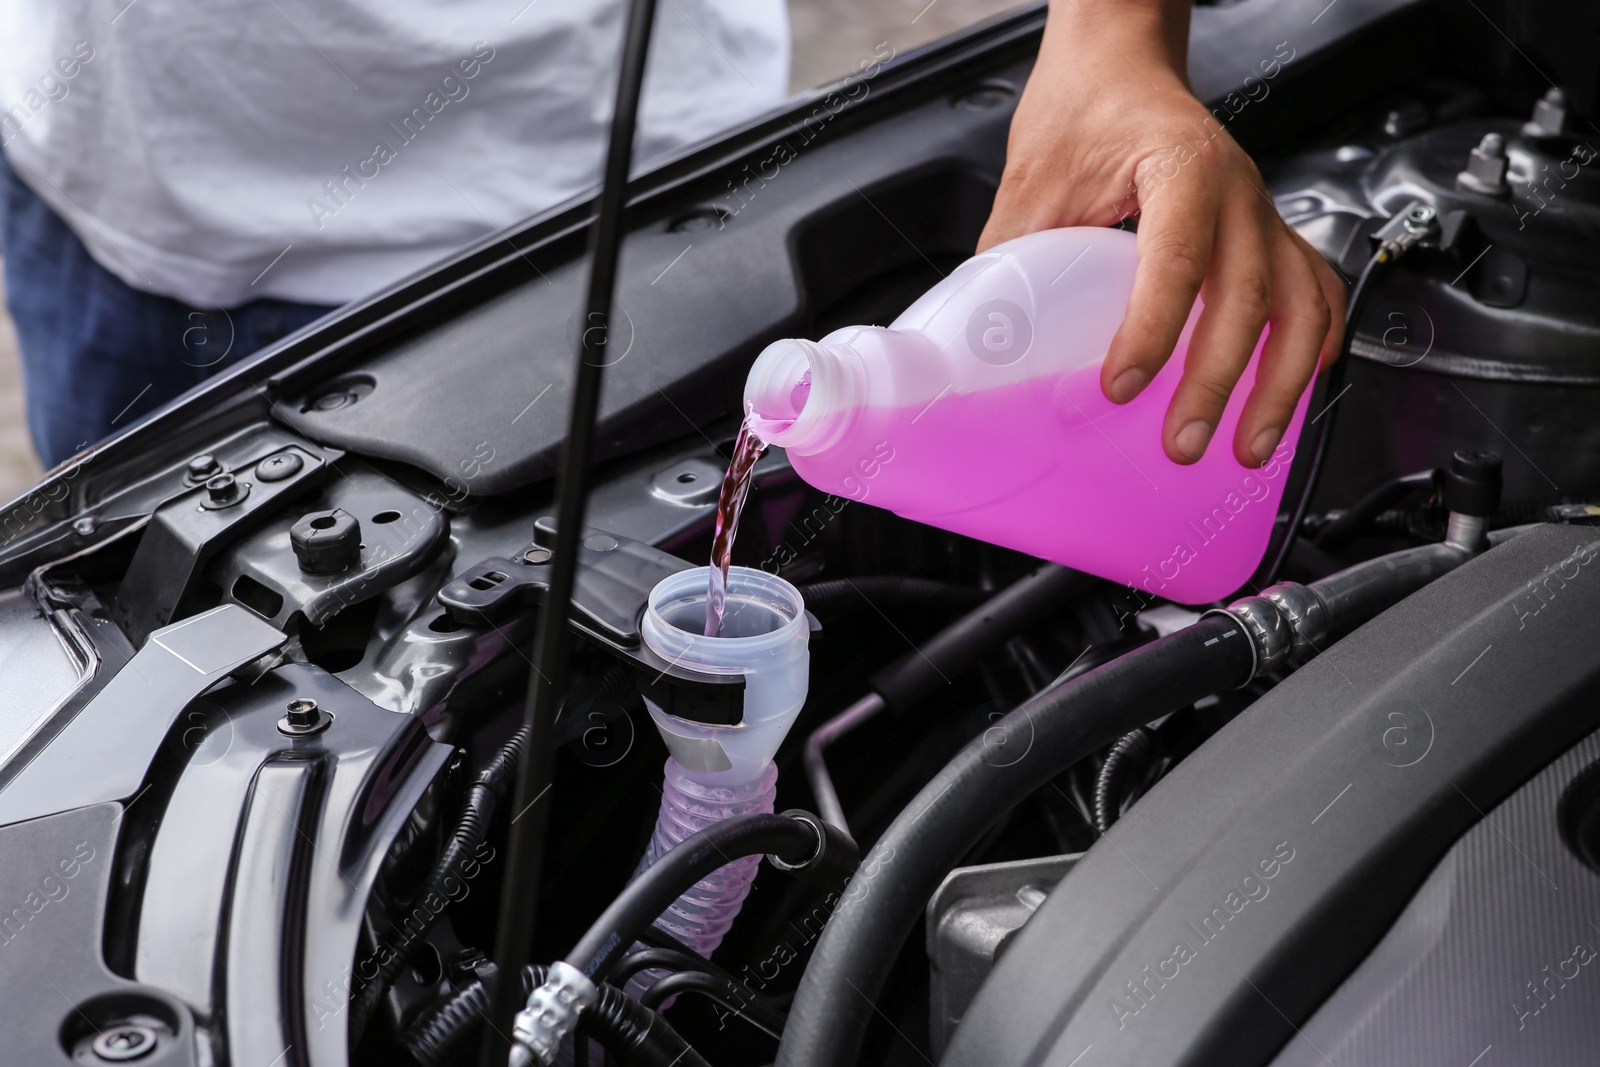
column 747, row 448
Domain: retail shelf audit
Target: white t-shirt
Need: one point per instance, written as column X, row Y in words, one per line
column 218, row 151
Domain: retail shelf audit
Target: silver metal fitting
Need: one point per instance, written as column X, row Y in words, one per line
column 1306, row 615
column 1414, row 223
column 1286, row 623
column 822, row 843
column 1271, row 640
column 1549, row 115
column 304, row 718
column 1486, row 168
column 1470, row 533
column 552, row 1013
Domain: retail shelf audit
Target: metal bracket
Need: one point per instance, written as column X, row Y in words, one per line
column 104, row 753
column 615, row 577
column 184, row 533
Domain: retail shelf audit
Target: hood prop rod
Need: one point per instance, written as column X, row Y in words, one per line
column 525, row 850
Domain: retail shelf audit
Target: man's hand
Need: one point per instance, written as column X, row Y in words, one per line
column 1106, row 127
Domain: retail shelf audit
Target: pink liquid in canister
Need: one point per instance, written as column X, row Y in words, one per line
column 980, row 411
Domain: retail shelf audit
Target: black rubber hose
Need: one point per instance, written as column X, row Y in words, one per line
column 791, row 839
column 754, row 1010
column 472, row 829
column 1357, row 593
column 1020, row 605
column 1054, row 730
column 628, row 1030
column 860, row 944
column 760, row 1009
column 1352, row 521
column 655, row 959
column 838, row 595
column 1129, row 756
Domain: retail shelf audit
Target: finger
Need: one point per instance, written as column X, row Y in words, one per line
column 1010, row 218
column 1238, row 300
column 1300, row 323
column 1333, row 291
column 1177, row 224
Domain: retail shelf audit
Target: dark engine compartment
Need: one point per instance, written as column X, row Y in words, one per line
column 353, row 519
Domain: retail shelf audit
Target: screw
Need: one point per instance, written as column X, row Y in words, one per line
column 85, row 526
column 1406, row 120
column 984, row 97
column 120, row 1044
column 1419, row 219
column 537, row 555
column 1549, row 115
column 332, row 401
column 203, row 466
column 700, row 218
column 304, row 717
column 223, row 490
column 1486, row 167
column 276, row 468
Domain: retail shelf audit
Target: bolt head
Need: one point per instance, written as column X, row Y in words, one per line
column 332, row 401
column 125, row 1043
column 203, row 466
column 303, row 717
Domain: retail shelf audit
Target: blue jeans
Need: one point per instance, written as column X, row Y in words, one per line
column 97, row 354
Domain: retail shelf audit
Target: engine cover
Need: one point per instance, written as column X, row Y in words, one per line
column 1303, row 829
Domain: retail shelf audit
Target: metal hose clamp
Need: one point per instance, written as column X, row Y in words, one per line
column 1286, row 622
column 552, row 1013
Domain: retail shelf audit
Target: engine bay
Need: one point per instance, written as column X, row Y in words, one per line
column 268, row 653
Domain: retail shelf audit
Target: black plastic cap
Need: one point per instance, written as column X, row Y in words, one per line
column 326, row 542
column 1473, row 485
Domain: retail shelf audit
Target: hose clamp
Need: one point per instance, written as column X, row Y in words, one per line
column 1288, row 622
column 1261, row 624
column 552, row 1013
column 822, row 842
column 1306, row 614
